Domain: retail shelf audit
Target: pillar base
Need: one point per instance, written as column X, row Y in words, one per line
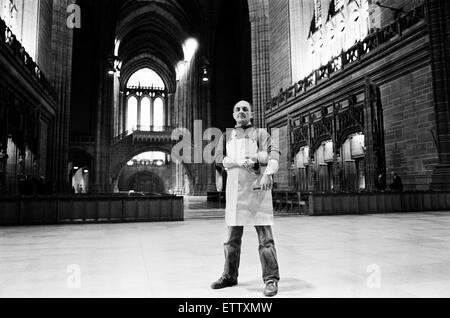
column 211, row 186
column 441, row 178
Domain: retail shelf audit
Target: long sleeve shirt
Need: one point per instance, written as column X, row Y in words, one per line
column 265, row 145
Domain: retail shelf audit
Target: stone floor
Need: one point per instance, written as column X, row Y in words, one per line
column 388, row 255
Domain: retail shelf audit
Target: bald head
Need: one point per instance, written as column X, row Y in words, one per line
column 243, row 103
column 242, row 113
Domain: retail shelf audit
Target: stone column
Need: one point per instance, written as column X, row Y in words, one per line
column 438, row 18
column 139, row 113
column 336, row 154
column 96, row 186
column 369, row 129
column 117, row 102
column 124, row 115
column 120, row 116
column 103, row 182
column 259, row 23
column 152, row 113
column 61, row 78
column 178, row 177
column 171, row 110
column 102, row 152
column 3, row 138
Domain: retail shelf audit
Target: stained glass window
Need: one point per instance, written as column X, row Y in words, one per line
column 338, row 4
column 318, row 12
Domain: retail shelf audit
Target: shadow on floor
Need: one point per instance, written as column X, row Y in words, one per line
column 285, row 286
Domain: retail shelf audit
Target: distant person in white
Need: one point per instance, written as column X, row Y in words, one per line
column 251, row 159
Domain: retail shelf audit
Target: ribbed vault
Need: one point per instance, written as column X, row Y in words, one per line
column 150, row 33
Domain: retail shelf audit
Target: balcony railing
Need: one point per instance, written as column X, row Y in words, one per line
column 149, row 88
column 355, row 53
column 8, row 38
column 143, row 129
column 146, row 90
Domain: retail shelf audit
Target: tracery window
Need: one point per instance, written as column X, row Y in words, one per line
column 145, row 77
column 132, row 113
column 318, row 12
column 345, row 23
column 159, row 114
column 146, row 117
column 9, row 13
column 146, row 100
column 338, row 4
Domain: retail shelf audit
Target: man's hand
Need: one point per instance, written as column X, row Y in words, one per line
column 247, row 164
column 266, row 182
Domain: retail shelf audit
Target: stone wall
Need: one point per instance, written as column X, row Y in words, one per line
column 280, row 55
column 60, row 75
column 45, row 35
column 289, row 31
column 282, row 177
column 402, row 71
column 409, row 123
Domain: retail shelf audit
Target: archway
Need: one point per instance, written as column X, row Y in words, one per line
column 144, row 103
column 176, row 177
column 147, row 182
column 323, row 166
column 79, row 170
column 302, row 168
column 354, row 162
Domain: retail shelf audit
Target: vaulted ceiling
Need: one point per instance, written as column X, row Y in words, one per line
column 150, row 33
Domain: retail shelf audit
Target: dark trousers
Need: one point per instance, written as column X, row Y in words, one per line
column 267, row 253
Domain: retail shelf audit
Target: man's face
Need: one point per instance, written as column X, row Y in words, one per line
column 242, row 113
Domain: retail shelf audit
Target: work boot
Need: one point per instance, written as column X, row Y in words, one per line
column 223, row 282
column 271, row 289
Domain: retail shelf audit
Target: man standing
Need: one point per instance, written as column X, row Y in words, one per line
column 251, row 159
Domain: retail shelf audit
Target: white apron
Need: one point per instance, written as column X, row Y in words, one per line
column 244, row 206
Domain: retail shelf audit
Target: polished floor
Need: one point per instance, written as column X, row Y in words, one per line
column 387, row 255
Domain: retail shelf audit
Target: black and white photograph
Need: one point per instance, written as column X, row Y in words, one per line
column 224, row 154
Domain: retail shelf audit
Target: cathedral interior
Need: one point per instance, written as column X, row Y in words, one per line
column 109, row 90
column 351, row 86
column 92, row 91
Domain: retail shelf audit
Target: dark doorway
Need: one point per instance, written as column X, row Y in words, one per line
column 146, row 182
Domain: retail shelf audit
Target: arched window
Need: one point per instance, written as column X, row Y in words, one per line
column 155, row 158
column 158, row 112
column 146, row 120
column 132, row 114
column 145, row 77
column 145, row 108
